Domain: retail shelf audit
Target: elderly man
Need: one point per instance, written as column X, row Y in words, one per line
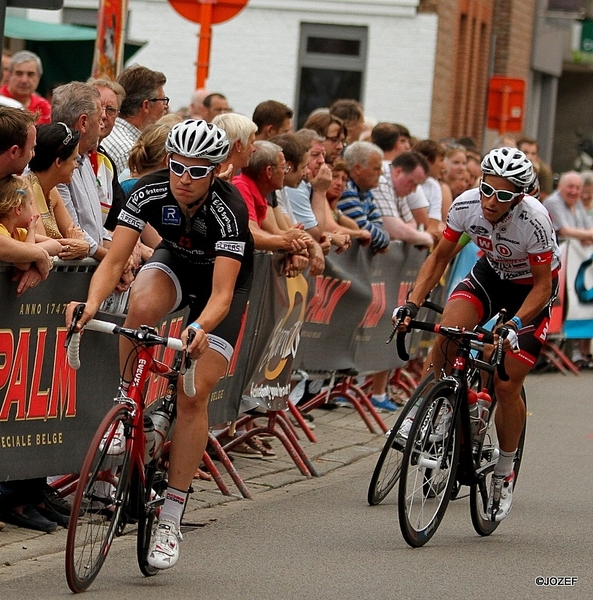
column 24, row 73
column 263, row 175
column 78, row 106
column 17, row 143
column 111, row 195
column 568, row 214
column 364, row 161
column 570, row 220
column 145, row 102
column 197, row 110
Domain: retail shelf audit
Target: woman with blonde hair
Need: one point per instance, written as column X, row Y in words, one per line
column 148, row 154
column 240, row 131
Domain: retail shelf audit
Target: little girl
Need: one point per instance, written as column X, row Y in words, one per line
column 17, row 219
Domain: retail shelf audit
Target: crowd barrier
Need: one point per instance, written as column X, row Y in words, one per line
column 337, row 322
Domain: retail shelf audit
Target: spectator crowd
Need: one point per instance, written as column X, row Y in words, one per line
column 67, row 168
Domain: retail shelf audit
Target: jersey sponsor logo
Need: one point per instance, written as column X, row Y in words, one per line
column 171, row 215
column 503, row 250
column 501, row 238
column 234, row 247
column 131, row 220
column 478, row 230
column 540, row 259
column 542, row 331
column 224, row 215
column 484, row 243
column 199, row 225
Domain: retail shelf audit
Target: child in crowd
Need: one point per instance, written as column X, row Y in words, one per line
column 17, row 218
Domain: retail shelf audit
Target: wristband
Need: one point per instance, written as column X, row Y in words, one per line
column 517, row 321
column 195, row 326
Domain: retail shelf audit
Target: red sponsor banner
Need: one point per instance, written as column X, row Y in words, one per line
column 109, row 46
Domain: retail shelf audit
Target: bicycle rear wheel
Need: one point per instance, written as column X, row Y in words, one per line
column 428, row 466
column 152, row 500
column 488, row 455
column 387, row 469
column 99, row 499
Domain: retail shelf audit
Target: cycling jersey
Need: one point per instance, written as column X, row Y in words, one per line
column 220, row 227
column 523, row 237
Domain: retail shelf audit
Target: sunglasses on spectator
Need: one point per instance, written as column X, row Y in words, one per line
column 195, row 172
column 501, row 195
column 69, row 134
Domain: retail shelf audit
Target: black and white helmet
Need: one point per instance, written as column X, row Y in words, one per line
column 510, row 163
column 198, row 139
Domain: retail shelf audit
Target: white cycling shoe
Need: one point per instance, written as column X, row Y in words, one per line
column 500, row 499
column 164, row 552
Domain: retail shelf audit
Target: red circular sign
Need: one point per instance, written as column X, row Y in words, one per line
column 222, row 10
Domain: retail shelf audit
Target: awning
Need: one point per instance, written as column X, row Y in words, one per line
column 66, row 51
column 25, row 29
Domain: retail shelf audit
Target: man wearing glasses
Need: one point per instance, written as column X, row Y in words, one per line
column 205, row 260
column 518, row 271
column 145, row 103
column 78, row 107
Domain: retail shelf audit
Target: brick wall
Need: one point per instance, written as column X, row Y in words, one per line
column 464, row 46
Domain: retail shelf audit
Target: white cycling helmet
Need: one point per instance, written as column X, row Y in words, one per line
column 510, row 163
column 198, row 139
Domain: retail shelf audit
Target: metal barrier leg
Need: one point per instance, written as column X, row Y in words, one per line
column 228, row 465
column 364, row 401
column 285, row 435
column 296, row 413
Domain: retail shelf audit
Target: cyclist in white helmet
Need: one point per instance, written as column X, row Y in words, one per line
column 204, row 260
column 518, row 271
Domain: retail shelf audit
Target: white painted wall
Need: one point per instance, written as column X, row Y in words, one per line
column 254, row 55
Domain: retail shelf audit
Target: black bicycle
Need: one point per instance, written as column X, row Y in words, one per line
column 445, row 448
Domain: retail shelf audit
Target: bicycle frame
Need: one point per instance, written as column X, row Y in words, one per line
column 146, row 364
column 468, row 471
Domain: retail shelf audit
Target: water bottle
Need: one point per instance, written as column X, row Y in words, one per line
column 162, row 422
column 484, row 402
column 149, row 439
column 474, row 417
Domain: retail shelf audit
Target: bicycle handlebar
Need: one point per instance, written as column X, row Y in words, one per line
column 141, row 335
column 479, row 335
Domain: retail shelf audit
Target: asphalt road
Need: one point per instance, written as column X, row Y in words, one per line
column 319, row 539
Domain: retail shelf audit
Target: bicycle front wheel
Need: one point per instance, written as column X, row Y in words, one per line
column 387, row 469
column 428, row 465
column 99, row 499
column 488, row 456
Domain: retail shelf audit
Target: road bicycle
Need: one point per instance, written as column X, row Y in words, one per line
column 123, row 478
column 445, row 448
column 386, row 472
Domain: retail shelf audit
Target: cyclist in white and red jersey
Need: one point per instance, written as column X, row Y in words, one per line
column 517, row 272
column 205, row 260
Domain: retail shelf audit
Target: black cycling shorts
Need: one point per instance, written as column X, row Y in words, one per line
column 194, row 291
column 489, row 294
